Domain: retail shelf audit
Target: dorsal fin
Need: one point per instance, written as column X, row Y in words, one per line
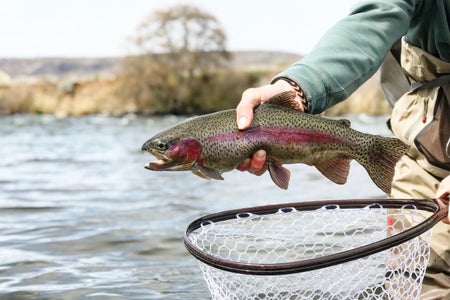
column 286, row 99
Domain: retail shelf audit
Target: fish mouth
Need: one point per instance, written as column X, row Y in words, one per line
column 164, row 162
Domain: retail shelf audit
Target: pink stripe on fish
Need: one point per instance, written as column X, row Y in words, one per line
column 275, row 134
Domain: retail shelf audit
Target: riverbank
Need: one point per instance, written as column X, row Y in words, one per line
column 74, row 87
column 63, row 98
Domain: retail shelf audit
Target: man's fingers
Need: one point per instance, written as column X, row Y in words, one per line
column 258, row 163
column 244, row 111
column 255, row 164
column 244, row 165
column 442, row 196
column 444, row 203
column 252, row 97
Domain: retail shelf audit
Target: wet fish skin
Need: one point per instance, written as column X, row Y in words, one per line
column 211, row 144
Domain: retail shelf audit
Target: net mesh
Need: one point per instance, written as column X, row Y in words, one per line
column 291, row 236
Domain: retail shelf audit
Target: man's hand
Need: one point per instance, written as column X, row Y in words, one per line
column 244, row 116
column 252, row 97
column 442, row 195
column 255, row 164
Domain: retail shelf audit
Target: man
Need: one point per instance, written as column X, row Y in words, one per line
column 350, row 53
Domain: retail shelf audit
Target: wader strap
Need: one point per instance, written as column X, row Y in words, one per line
column 439, row 81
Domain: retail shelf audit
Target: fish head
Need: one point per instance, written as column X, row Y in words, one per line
column 172, row 154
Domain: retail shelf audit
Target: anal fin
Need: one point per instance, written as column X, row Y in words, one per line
column 335, row 169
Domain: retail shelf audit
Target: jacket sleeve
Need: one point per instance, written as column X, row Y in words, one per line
column 350, row 52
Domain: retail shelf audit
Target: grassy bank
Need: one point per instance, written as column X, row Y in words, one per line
column 105, row 96
column 62, row 98
column 106, row 90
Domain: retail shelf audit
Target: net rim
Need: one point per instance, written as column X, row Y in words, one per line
column 427, row 205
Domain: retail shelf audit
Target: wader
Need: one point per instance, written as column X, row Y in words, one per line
column 421, row 118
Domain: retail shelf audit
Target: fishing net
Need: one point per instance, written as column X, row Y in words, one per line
column 316, row 250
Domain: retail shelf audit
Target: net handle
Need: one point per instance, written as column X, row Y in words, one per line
column 432, row 206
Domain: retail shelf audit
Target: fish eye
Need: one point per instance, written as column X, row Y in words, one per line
column 161, row 145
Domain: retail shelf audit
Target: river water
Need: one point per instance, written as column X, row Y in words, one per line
column 80, row 217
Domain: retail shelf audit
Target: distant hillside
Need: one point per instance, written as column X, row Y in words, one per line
column 56, row 67
column 61, row 67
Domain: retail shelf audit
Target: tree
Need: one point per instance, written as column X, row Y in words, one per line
column 179, row 50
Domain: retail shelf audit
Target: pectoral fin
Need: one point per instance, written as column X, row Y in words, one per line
column 280, row 175
column 335, row 169
column 205, row 172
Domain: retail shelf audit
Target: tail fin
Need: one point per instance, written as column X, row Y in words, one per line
column 384, row 153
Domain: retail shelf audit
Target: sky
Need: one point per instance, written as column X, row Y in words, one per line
column 99, row 28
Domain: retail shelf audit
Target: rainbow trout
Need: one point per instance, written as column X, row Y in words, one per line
column 211, row 144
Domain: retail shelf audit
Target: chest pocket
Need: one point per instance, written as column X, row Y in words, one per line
column 434, row 139
column 421, row 118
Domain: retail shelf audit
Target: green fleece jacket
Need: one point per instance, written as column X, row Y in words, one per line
column 353, row 49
